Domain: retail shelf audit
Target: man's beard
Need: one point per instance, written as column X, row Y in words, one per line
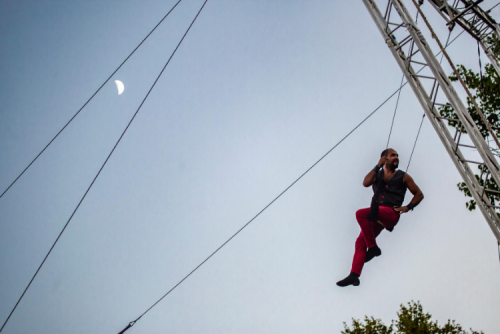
column 394, row 165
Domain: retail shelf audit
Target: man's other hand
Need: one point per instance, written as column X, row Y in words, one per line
column 401, row 209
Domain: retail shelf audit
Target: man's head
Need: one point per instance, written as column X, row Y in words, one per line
column 392, row 156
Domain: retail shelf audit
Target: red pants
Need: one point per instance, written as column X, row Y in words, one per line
column 369, row 231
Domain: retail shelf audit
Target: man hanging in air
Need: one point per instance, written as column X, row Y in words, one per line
column 389, row 187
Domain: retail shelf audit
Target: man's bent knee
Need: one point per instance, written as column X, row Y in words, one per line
column 362, row 214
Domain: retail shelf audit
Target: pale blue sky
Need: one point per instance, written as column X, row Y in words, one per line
column 258, row 91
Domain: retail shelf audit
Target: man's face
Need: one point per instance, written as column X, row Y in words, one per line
column 392, row 159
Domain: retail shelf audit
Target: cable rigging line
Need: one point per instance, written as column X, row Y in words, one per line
column 482, row 84
column 132, row 323
column 102, row 167
column 489, row 10
column 423, row 115
column 90, row 99
column 415, row 143
column 397, row 100
column 480, row 66
column 395, row 110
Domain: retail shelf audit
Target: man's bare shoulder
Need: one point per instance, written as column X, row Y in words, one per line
column 407, row 178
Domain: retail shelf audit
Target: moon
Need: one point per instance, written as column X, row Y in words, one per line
column 120, row 86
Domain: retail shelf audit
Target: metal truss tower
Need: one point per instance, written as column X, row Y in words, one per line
column 478, row 23
column 433, row 89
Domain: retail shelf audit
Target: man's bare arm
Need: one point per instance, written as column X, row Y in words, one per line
column 370, row 177
column 418, row 196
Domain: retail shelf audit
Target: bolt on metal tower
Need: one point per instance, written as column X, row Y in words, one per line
column 397, row 20
column 478, row 23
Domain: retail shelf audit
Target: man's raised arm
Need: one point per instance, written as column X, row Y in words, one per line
column 370, row 177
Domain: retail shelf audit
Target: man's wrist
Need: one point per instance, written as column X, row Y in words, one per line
column 376, row 168
column 410, row 206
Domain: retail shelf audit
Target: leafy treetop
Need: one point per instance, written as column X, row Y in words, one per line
column 411, row 320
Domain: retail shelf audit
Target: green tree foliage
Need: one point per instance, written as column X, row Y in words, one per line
column 370, row 326
column 486, row 92
column 411, row 320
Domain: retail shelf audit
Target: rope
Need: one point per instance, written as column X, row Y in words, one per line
column 446, row 45
column 415, row 144
column 395, row 110
column 480, row 66
column 482, row 81
column 102, row 167
column 397, row 101
column 489, row 10
column 90, row 99
column 423, row 115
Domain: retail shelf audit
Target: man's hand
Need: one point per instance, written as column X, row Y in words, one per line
column 372, row 175
column 401, row 209
column 382, row 161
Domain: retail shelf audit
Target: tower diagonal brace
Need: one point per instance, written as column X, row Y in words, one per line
column 428, row 103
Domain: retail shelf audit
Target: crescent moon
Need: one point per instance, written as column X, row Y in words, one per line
column 120, row 86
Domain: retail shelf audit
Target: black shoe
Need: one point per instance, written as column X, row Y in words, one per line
column 352, row 279
column 372, row 252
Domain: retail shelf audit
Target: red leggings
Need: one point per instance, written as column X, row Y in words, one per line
column 369, row 231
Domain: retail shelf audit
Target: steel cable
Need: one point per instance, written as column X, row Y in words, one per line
column 397, row 102
column 423, row 116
